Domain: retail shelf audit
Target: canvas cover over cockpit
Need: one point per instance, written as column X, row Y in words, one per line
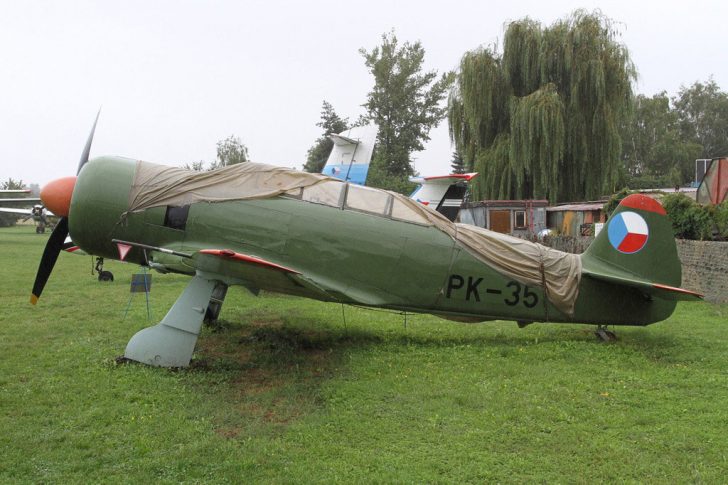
column 533, row 264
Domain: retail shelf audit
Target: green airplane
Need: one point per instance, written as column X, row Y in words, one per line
column 309, row 235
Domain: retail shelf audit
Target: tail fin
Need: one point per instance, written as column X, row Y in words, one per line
column 444, row 193
column 352, row 152
column 637, row 248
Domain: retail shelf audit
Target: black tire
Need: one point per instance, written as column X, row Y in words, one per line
column 106, row 276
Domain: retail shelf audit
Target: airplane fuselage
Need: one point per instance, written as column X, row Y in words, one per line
column 354, row 257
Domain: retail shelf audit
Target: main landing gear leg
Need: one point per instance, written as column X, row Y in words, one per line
column 171, row 342
column 605, row 335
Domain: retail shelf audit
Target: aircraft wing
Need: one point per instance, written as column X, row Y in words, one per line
column 259, row 272
column 20, row 212
column 445, row 179
column 22, row 202
column 23, row 212
column 255, row 272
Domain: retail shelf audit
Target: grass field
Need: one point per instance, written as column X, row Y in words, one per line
column 287, row 391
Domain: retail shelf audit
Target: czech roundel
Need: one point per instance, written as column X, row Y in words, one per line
column 628, row 232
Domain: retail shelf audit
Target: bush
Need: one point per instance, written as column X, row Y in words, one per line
column 720, row 216
column 380, row 179
column 689, row 219
column 614, row 201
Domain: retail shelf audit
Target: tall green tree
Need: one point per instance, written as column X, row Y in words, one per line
column 457, row 164
column 656, row 153
column 405, row 103
column 703, row 114
column 12, row 184
column 330, row 123
column 230, row 151
column 542, row 119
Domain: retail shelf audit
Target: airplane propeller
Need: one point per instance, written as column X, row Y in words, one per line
column 56, row 196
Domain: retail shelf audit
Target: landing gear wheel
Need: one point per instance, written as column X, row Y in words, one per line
column 106, row 276
column 605, row 335
column 103, row 275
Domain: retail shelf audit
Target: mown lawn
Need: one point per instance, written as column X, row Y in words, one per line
column 289, row 391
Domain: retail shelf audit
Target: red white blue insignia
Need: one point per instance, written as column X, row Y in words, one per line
column 628, row 232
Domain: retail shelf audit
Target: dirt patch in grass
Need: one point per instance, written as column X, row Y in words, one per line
column 272, row 372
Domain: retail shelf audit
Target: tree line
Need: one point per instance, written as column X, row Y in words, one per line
column 551, row 116
column 664, row 135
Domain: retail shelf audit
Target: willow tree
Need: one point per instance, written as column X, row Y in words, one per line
column 542, row 119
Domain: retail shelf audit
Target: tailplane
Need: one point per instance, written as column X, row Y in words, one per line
column 637, row 248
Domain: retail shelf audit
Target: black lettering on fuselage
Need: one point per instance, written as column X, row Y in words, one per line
column 454, row 283
column 473, row 288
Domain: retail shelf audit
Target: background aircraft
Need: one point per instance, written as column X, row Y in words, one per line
column 444, row 193
column 351, row 156
column 22, row 207
column 309, row 235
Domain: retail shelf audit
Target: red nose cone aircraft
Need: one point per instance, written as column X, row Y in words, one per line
column 270, row 228
column 56, row 195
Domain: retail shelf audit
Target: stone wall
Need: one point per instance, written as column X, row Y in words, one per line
column 705, row 268
column 704, row 263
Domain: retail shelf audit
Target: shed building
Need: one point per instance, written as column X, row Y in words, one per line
column 516, row 217
column 576, row 219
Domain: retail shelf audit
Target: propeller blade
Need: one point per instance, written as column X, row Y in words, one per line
column 87, row 148
column 50, row 255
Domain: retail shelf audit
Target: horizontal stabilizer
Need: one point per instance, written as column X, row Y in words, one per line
column 657, row 290
column 453, row 178
column 340, row 140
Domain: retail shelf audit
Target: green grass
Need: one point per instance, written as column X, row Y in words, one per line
column 285, row 391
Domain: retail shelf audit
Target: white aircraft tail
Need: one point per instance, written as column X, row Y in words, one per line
column 444, row 193
column 349, row 159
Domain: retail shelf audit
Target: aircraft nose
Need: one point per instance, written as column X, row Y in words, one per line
column 56, row 195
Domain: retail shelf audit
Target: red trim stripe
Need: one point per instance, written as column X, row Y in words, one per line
column 642, row 202
column 464, row 176
column 677, row 290
column 230, row 254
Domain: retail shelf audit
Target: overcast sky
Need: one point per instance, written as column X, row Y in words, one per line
column 174, row 77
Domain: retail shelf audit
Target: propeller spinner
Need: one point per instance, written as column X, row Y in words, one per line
column 56, row 196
